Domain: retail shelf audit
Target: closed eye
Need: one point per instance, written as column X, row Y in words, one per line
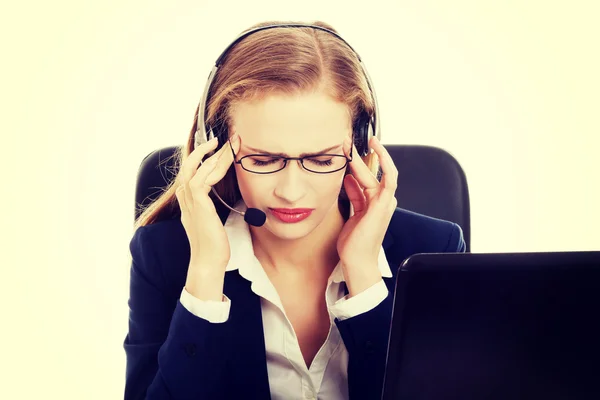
column 262, row 161
column 320, row 161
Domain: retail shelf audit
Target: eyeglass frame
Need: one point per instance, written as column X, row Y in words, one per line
column 286, row 159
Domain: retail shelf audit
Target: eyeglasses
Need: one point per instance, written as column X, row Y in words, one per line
column 268, row 164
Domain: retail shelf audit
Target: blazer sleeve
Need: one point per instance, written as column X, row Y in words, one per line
column 456, row 241
column 366, row 339
column 170, row 353
column 366, row 335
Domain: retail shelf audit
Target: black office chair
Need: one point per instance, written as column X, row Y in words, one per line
column 430, row 182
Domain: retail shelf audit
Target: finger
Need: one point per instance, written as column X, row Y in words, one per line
column 190, row 165
column 361, row 172
column 225, row 161
column 347, row 146
column 355, row 194
column 389, row 180
column 183, row 196
column 198, row 182
column 209, row 163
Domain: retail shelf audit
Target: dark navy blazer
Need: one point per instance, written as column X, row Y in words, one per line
column 173, row 354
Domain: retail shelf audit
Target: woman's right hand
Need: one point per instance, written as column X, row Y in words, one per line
column 209, row 246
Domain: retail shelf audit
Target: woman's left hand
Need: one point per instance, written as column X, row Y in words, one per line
column 360, row 240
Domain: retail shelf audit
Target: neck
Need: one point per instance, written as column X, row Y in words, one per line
column 293, row 256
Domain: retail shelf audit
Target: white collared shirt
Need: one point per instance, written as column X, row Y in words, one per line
column 289, row 377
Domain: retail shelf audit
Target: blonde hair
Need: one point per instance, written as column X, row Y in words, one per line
column 288, row 60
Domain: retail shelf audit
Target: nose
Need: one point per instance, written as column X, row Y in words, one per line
column 291, row 184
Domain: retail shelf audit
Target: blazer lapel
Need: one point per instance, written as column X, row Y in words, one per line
column 248, row 356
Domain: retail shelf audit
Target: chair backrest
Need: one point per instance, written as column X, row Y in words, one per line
column 430, row 182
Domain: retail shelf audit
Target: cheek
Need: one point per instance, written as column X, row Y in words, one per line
column 251, row 185
column 329, row 187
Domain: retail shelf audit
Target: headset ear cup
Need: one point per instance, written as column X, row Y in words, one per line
column 370, row 133
column 362, row 131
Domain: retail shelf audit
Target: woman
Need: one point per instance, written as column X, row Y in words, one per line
column 299, row 307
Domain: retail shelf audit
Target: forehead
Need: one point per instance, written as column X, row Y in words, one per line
column 291, row 124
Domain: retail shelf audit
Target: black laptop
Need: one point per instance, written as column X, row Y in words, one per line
column 496, row 326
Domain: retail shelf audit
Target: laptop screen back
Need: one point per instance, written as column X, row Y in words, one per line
column 496, row 326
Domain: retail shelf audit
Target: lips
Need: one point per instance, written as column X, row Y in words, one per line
column 292, row 210
column 291, row 215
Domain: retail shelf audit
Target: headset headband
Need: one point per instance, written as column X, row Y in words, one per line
column 202, row 108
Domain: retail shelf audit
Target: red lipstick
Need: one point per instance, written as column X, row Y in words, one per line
column 291, row 215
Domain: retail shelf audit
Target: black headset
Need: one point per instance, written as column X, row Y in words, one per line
column 365, row 126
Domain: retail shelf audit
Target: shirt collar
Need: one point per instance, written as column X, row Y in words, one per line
column 242, row 251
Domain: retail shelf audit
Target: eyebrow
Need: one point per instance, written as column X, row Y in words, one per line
column 259, row 151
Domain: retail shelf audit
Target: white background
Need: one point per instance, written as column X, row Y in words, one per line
column 510, row 88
